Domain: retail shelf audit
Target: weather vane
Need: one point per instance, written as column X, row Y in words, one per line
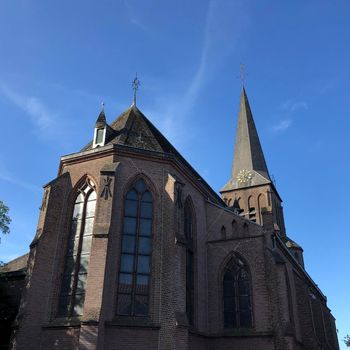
column 242, row 73
column 135, row 86
column 103, row 105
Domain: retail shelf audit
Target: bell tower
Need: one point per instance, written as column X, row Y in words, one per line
column 250, row 187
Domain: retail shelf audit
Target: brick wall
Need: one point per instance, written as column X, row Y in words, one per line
column 281, row 315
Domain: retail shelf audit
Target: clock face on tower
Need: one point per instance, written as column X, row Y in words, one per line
column 244, row 176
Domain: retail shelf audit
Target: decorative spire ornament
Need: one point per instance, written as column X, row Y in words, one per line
column 135, row 86
column 242, row 73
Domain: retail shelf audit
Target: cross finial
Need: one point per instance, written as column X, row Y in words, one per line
column 103, row 106
column 135, row 86
column 242, row 73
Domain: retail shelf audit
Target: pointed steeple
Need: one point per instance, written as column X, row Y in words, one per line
column 248, row 152
column 249, row 166
column 250, row 187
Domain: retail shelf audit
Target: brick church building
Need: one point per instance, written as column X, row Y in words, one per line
column 134, row 250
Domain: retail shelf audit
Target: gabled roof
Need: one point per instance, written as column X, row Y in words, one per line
column 133, row 129
column 248, row 154
column 17, row 264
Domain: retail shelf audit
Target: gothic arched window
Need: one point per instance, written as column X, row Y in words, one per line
column 189, row 262
column 135, row 259
column 71, row 301
column 223, row 232
column 251, row 208
column 234, row 227
column 237, row 295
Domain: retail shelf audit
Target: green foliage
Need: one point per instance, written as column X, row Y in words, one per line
column 347, row 341
column 4, row 218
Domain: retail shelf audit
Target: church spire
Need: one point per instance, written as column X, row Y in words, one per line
column 250, row 187
column 249, row 166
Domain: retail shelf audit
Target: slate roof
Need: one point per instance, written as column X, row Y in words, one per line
column 18, row 264
column 248, row 154
column 133, row 129
column 101, row 120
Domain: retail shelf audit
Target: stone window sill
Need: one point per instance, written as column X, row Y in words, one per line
column 135, row 322
column 244, row 332
column 60, row 322
column 228, row 333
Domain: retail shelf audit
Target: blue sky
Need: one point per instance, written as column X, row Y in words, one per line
column 59, row 60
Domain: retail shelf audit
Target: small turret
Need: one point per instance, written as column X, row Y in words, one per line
column 100, row 130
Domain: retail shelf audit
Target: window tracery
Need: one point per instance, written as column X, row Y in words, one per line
column 237, row 295
column 136, row 250
column 71, row 301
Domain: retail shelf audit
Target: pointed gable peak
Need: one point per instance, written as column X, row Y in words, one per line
column 101, row 120
column 249, row 166
column 133, row 129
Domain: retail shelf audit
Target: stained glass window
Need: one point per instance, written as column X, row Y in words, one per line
column 236, row 295
column 99, row 135
column 136, row 250
column 71, row 301
column 223, row 232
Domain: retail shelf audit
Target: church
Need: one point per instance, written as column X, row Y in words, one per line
column 134, row 250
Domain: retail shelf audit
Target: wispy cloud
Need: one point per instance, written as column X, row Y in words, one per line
column 199, row 76
column 77, row 92
column 288, row 109
column 133, row 19
column 283, row 125
column 224, row 23
column 165, row 119
column 7, row 176
column 138, row 23
column 326, row 86
column 223, row 28
column 291, row 106
column 33, row 106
